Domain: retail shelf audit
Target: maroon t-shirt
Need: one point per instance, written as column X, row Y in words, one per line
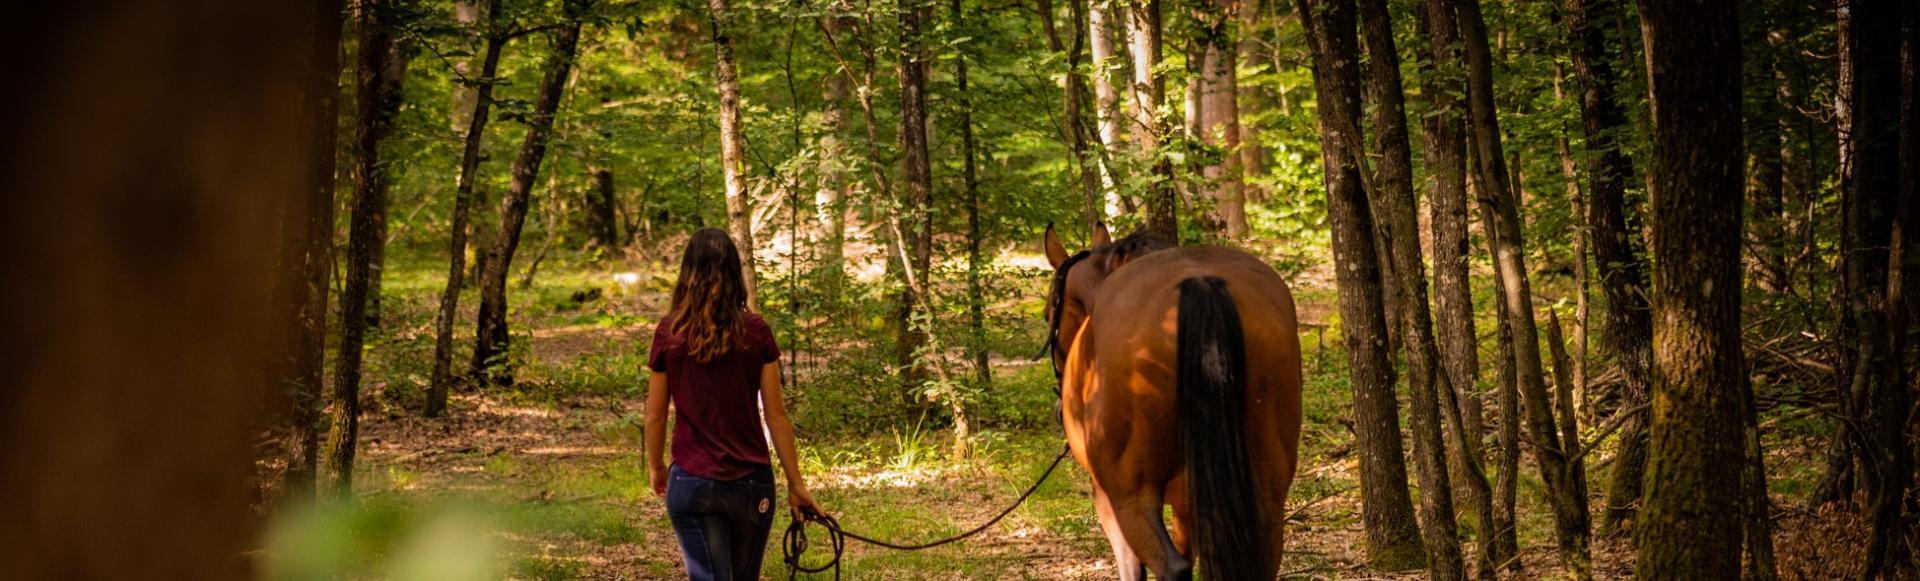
column 717, row 433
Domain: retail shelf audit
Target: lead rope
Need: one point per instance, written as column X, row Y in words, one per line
column 794, row 542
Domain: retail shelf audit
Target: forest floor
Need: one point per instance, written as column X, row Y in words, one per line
column 550, row 471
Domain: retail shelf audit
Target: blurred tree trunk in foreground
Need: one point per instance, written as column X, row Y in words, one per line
column 140, row 359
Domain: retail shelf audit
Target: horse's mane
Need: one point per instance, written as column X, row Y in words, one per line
column 1139, row 243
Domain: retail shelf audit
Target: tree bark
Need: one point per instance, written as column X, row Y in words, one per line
column 831, row 199
column 1072, row 126
column 306, row 258
column 601, row 226
column 1252, row 156
column 1766, row 173
column 733, row 163
column 1396, row 222
column 1100, row 18
column 1504, row 228
column 152, row 150
column 1756, row 506
column 916, row 205
column 1689, row 526
column 1872, row 38
column 1393, row 537
column 1149, row 93
column 442, row 379
column 1575, row 205
column 1444, row 146
column 1507, row 401
column 396, row 77
column 378, row 99
column 491, row 336
column 1220, row 115
column 1616, row 248
column 970, row 178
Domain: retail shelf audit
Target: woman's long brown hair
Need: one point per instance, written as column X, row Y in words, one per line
column 710, row 295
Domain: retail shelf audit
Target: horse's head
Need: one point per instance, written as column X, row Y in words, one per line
column 1076, row 277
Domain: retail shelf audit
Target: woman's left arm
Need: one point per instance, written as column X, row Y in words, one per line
column 781, row 427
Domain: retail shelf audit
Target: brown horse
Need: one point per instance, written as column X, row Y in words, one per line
column 1180, row 385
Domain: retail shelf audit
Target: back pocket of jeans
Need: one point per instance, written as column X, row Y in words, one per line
column 763, row 503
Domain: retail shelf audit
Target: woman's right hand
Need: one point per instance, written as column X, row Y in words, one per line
column 659, row 477
column 803, row 503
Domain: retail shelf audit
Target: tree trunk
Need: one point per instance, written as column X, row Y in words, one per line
column 1396, row 222
column 1504, row 228
column 1445, row 155
column 1220, row 116
column 733, row 163
column 1756, row 506
column 1252, row 156
column 306, row 259
column 1393, row 538
column 442, row 378
column 1568, row 169
column 831, row 199
column 1689, row 527
column 1616, row 248
column 468, row 14
column 1871, row 35
column 1100, row 18
column 1507, row 400
column 601, row 226
column 1072, row 127
column 976, row 297
column 1766, row 174
column 1149, row 93
column 491, row 339
column 378, row 99
column 916, row 205
column 395, row 77
column 152, row 150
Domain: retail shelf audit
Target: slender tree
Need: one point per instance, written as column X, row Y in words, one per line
column 1149, row 129
column 733, row 163
column 832, row 197
column 491, row 336
column 378, row 97
column 1501, row 204
column 306, row 256
column 482, row 90
column 1102, row 31
column 1219, row 112
column 1871, row 36
column 1072, row 126
column 1628, row 328
column 1445, row 148
column 1689, row 526
column 1396, row 223
column 915, row 205
column 1252, row 155
column 1393, row 537
column 970, row 181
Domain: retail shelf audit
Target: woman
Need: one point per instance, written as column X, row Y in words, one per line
column 717, row 364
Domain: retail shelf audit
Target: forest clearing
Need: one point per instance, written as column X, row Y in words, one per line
column 1089, row 289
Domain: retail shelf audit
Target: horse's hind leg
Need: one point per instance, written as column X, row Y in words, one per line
column 1141, row 520
column 1124, row 560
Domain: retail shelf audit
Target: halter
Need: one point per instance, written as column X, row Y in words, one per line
column 1056, row 303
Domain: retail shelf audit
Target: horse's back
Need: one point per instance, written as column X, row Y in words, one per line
column 1131, row 344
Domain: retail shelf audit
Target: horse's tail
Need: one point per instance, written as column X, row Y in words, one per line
column 1230, row 537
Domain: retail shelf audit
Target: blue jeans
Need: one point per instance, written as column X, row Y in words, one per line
column 722, row 524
